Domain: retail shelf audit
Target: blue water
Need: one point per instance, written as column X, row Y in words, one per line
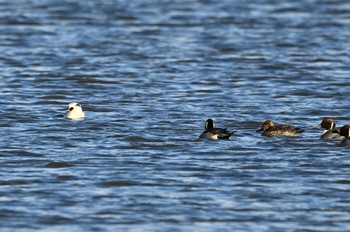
column 148, row 74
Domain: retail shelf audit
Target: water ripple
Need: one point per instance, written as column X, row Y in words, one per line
column 148, row 75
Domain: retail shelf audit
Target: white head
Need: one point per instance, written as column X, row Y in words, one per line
column 75, row 111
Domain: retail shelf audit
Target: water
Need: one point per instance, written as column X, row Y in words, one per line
column 148, row 74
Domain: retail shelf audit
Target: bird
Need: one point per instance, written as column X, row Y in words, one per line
column 330, row 132
column 345, row 131
column 213, row 133
column 269, row 129
column 75, row 111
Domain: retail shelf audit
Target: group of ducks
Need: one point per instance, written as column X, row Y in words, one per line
column 269, row 129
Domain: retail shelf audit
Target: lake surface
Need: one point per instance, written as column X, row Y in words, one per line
column 148, row 74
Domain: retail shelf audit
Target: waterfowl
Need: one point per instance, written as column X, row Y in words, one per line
column 214, row 133
column 345, row 131
column 209, row 135
column 269, row 129
column 330, row 132
column 75, row 111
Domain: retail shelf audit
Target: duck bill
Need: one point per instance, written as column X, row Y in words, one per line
column 259, row 130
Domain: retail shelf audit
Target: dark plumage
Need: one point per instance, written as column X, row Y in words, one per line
column 345, row 131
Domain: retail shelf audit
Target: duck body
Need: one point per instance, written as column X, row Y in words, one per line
column 269, row 129
column 345, row 142
column 209, row 135
column 331, row 134
column 222, row 133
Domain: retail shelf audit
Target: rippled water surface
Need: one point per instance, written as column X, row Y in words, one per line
column 148, row 74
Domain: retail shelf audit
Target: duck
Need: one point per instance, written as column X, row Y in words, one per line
column 213, row 133
column 75, row 111
column 345, row 131
column 269, row 129
column 330, row 132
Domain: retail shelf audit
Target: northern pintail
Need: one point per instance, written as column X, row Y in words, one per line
column 213, row 133
column 269, row 129
column 330, row 132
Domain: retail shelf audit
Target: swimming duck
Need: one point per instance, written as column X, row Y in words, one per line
column 75, row 111
column 330, row 131
column 213, row 133
column 269, row 129
column 345, row 131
